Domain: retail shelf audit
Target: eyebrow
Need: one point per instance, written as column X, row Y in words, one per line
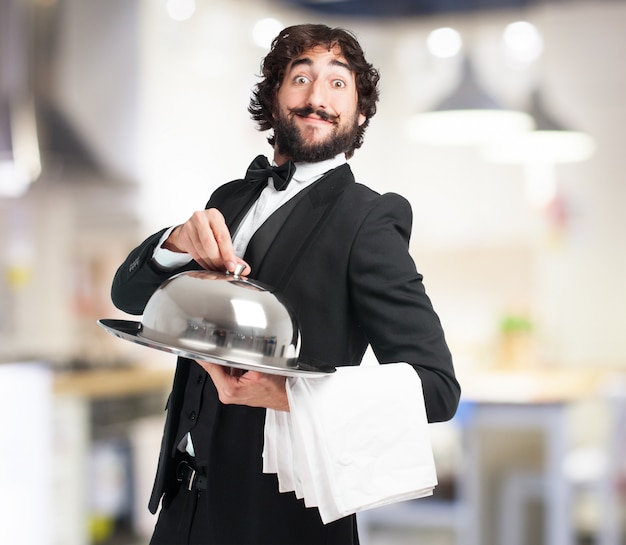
column 308, row 62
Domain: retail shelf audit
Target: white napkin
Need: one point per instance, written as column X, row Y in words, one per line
column 353, row 440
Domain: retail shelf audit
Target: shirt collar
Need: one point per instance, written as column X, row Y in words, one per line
column 307, row 171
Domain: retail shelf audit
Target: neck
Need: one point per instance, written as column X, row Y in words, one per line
column 280, row 159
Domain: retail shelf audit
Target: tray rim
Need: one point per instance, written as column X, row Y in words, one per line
column 130, row 330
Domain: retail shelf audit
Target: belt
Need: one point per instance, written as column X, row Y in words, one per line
column 190, row 477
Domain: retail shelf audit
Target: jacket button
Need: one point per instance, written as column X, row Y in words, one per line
column 192, row 415
column 200, row 379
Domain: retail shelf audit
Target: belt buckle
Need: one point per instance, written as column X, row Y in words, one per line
column 190, row 478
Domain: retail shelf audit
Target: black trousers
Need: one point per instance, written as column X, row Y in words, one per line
column 178, row 524
column 187, row 518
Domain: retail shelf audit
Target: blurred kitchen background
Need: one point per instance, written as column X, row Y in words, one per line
column 500, row 120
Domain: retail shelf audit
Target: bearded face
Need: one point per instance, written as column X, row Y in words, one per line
column 302, row 145
column 317, row 115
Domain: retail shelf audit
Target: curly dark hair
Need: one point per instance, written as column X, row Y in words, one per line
column 290, row 44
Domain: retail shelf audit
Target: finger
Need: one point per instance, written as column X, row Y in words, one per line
column 194, row 248
column 223, row 240
column 246, row 268
column 197, row 239
column 211, row 240
column 206, row 238
column 218, row 373
column 211, row 368
column 255, row 375
column 203, row 239
column 183, row 239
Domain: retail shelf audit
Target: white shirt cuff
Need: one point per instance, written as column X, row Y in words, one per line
column 166, row 259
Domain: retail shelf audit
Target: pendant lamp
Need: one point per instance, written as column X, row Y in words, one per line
column 468, row 116
column 550, row 142
column 540, row 151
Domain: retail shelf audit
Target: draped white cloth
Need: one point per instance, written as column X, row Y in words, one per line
column 353, row 440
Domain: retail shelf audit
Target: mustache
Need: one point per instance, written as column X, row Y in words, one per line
column 308, row 110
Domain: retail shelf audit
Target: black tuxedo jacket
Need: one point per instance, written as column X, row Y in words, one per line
column 338, row 253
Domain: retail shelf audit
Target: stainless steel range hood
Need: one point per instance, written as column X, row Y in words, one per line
column 34, row 135
column 20, row 162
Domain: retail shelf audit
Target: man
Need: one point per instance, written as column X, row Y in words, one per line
column 334, row 249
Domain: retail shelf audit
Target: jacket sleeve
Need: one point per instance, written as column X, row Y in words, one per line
column 138, row 277
column 393, row 308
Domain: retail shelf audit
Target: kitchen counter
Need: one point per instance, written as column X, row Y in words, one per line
column 118, row 382
column 538, row 385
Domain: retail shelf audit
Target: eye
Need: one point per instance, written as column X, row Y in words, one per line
column 301, row 80
column 338, row 84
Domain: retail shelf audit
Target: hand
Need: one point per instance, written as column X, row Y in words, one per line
column 205, row 237
column 234, row 387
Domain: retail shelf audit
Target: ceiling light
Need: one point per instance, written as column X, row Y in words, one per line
column 181, row 10
column 468, row 116
column 523, row 41
column 539, row 151
column 444, row 42
column 550, row 142
column 265, row 30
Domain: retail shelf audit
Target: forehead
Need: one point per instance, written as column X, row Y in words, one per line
column 321, row 56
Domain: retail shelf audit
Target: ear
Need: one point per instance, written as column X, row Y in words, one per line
column 362, row 119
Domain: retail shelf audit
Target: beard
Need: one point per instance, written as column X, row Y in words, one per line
column 291, row 142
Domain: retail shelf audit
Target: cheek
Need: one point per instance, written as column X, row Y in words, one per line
column 347, row 104
column 286, row 100
column 279, row 103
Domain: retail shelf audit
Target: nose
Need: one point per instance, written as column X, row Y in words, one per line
column 317, row 95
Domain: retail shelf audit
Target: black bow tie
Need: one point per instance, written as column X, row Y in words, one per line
column 260, row 170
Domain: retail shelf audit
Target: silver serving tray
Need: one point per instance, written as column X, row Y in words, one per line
column 132, row 331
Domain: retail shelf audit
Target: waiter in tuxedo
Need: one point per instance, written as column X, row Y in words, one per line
column 334, row 249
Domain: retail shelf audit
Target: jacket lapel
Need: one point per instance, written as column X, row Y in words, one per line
column 235, row 205
column 261, row 241
column 274, row 251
